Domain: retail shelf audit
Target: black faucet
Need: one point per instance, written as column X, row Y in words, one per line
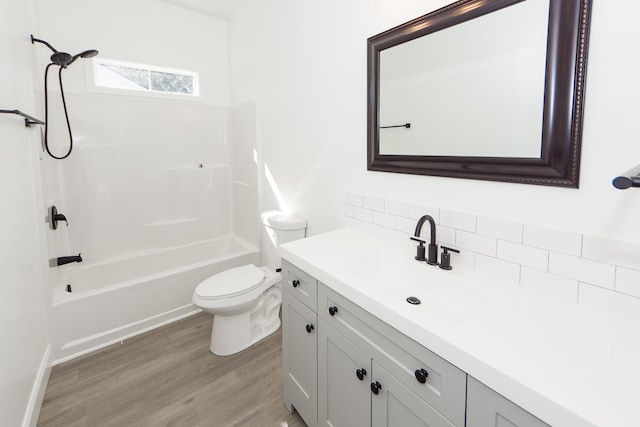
column 68, row 259
column 432, row 258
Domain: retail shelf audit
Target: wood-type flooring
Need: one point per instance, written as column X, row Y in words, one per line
column 168, row 377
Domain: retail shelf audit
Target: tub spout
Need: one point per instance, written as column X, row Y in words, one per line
column 68, row 259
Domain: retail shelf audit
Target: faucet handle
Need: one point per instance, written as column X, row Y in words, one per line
column 445, row 257
column 420, row 248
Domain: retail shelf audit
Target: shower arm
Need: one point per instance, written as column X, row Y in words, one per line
column 34, row 40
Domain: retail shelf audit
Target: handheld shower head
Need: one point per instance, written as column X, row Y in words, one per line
column 86, row 54
column 64, row 59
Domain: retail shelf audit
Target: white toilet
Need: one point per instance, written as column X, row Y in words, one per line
column 245, row 301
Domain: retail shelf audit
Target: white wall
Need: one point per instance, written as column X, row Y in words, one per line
column 304, row 63
column 23, row 327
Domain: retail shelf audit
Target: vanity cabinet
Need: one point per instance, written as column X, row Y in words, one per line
column 403, row 384
column 344, row 367
column 299, row 342
column 486, row 408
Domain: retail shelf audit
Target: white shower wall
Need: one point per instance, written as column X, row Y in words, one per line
column 143, row 174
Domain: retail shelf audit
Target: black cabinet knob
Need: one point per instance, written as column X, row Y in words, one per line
column 375, row 387
column 310, row 328
column 333, row 310
column 361, row 373
column 295, row 283
column 421, row 375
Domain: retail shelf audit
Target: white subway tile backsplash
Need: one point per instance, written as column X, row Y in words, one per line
column 626, row 254
column 363, row 214
column 394, row 207
column 495, row 267
column 476, row 243
column 565, row 242
column 628, row 281
column 500, row 229
column 460, row 220
column 549, row 284
column 354, row 199
column 374, row 203
column 384, row 220
column 610, row 302
column 596, row 271
column 446, row 235
column 416, row 211
column 524, row 255
column 405, row 225
column 348, row 210
column 583, row 270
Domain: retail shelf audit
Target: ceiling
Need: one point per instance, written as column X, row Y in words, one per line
column 218, row 8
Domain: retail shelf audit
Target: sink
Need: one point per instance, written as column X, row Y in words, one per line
column 392, row 279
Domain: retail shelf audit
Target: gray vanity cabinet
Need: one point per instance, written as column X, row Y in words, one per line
column 350, row 340
column 486, row 408
column 299, row 343
column 344, row 378
column 344, row 367
column 397, row 406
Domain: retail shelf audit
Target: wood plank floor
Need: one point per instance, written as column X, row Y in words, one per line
column 168, row 377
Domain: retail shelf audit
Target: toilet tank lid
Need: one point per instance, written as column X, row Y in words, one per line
column 283, row 221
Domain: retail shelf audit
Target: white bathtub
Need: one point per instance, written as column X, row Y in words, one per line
column 113, row 300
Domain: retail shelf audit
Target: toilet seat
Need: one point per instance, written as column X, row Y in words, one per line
column 229, row 283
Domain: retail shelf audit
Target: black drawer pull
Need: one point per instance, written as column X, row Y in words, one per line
column 295, row 283
column 421, row 375
column 309, row 328
column 375, row 387
column 361, row 373
column 333, row 310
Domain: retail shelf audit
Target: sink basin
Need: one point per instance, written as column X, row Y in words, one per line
column 392, row 279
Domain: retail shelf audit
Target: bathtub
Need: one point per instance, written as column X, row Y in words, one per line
column 116, row 299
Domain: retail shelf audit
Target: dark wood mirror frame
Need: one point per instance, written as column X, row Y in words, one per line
column 567, row 46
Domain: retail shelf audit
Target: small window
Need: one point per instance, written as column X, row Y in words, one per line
column 144, row 78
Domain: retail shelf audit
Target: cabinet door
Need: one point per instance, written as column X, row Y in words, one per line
column 344, row 377
column 300, row 358
column 395, row 405
column 486, row 408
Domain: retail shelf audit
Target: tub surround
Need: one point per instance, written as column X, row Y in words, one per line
column 566, row 363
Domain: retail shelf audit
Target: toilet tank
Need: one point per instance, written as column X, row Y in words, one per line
column 279, row 228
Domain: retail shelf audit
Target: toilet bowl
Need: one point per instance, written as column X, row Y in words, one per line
column 245, row 301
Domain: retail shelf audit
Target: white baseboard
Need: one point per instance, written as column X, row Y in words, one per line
column 38, row 390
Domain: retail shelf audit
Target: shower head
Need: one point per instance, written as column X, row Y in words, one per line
column 86, row 54
column 64, row 59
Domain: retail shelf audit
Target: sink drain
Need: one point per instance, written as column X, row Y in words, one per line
column 413, row 300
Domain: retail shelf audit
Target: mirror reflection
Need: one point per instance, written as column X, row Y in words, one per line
column 468, row 90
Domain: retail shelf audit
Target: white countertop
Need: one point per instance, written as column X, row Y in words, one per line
column 567, row 364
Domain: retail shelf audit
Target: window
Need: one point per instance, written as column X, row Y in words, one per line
column 144, row 78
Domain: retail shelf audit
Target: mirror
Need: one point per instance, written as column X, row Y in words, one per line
column 481, row 89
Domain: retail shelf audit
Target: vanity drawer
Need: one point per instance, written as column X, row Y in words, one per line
column 300, row 284
column 444, row 386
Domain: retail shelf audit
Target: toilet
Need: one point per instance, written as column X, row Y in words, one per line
column 245, row 301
